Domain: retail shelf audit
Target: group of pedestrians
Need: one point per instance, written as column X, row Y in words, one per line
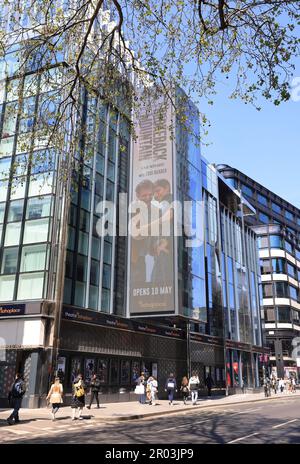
column 55, row 396
column 147, row 389
column 282, row 385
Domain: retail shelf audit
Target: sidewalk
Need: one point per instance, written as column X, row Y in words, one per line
column 134, row 410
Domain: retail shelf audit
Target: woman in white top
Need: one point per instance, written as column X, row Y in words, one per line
column 193, row 387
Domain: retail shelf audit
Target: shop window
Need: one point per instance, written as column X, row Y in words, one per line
column 114, row 371
column 125, row 372
column 75, row 369
column 103, row 370
column 89, row 369
column 135, row 371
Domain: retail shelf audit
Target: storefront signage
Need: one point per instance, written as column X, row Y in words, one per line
column 206, row 339
column 107, row 320
column 12, row 310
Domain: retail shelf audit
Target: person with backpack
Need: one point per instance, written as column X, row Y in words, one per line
column 55, row 396
column 95, row 389
column 194, row 387
column 171, row 388
column 78, row 399
column 15, row 397
column 185, row 389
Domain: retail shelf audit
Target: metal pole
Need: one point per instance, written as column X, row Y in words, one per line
column 188, row 348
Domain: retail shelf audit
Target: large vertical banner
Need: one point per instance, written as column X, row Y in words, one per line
column 151, row 266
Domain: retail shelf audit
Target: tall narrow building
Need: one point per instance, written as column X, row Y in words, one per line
column 277, row 224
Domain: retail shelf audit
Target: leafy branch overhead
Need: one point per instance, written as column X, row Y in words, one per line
column 112, row 47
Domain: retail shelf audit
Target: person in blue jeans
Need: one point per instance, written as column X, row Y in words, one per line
column 171, row 388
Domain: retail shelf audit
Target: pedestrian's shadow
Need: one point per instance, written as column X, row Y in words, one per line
column 4, row 423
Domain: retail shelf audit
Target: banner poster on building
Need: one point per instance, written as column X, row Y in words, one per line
column 151, row 266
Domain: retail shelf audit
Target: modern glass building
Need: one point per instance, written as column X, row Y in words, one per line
column 277, row 224
column 70, row 295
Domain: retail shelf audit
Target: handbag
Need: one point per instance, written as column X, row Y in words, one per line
column 139, row 390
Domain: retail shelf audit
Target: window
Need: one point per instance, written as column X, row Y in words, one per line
column 288, row 247
column 40, row 184
column 289, row 216
column 102, row 370
column 276, row 241
column 269, row 314
column 105, row 300
column 261, row 199
column 9, row 261
column 278, row 265
column 7, row 285
column 30, row 286
column 281, row 290
column 15, row 212
column 291, row 271
column 265, row 267
column 284, row 314
column 33, row 258
column 18, row 188
column 12, row 235
column 263, row 242
column 263, row 218
column 38, row 207
column 125, row 372
column 5, row 168
column 294, row 293
column 114, row 371
column 267, row 291
column 2, row 210
column 3, row 189
column 36, row 231
column 247, row 190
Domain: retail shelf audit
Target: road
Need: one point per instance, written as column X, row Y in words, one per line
column 265, row 422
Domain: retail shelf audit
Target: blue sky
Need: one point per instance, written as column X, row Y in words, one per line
column 264, row 145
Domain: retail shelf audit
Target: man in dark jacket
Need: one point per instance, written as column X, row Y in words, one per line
column 209, row 383
column 15, row 396
column 95, row 389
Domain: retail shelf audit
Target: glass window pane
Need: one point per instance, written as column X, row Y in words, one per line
column 2, row 210
column 7, row 285
column 12, row 234
column 9, row 261
column 15, row 212
column 6, row 146
column 40, row 184
column 18, row 188
column 30, row 286
column 33, row 258
column 38, row 207
column 3, row 190
column 36, row 231
column 105, row 300
column 5, row 168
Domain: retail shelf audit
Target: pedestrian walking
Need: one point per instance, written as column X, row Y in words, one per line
column 171, row 388
column 281, row 385
column 209, row 383
column 95, row 386
column 194, row 387
column 15, row 396
column 153, row 388
column 140, row 388
column 185, row 389
column 274, row 385
column 78, row 399
column 293, row 385
column 55, row 396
